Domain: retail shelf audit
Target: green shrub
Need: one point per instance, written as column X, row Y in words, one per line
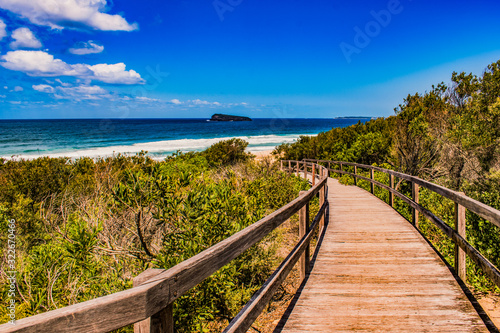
column 76, row 243
column 227, row 152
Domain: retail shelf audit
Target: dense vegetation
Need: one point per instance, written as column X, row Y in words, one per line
column 449, row 135
column 86, row 227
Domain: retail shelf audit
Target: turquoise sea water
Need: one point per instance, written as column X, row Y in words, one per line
column 160, row 137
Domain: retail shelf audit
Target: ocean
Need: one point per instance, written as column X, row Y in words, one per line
column 160, row 137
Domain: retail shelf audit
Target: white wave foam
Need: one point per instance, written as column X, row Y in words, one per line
column 164, row 148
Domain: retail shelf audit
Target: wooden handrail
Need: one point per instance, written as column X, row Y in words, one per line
column 461, row 201
column 244, row 319
column 153, row 296
column 485, row 211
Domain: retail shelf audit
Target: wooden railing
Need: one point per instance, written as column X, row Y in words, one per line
column 462, row 202
column 149, row 303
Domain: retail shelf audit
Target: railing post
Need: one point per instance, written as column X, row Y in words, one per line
column 391, row 185
column 314, row 174
column 355, row 179
column 305, row 170
column 372, row 189
column 341, row 167
column 281, row 165
column 321, row 201
column 161, row 322
column 298, row 167
column 414, row 191
column 303, row 229
column 460, row 261
column 290, row 167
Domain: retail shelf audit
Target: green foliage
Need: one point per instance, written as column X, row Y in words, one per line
column 227, row 152
column 476, row 115
column 448, row 135
column 416, row 149
column 482, row 234
column 95, row 224
column 35, row 179
column 361, row 143
column 81, row 240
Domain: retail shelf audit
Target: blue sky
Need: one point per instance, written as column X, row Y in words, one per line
column 164, row 59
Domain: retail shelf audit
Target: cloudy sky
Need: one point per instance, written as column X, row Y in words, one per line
column 192, row 58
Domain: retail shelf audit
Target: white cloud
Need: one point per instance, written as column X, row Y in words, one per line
column 64, row 84
column 24, row 38
column 39, row 63
column 115, row 74
column 59, row 14
column 3, row 32
column 199, row 102
column 194, row 103
column 44, row 88
column 84, row 92
column 18, row 88
column 86, row 48
column 74, row 93
column 2, row 96
column 147, row 99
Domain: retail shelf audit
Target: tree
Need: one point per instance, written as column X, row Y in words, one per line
column 227, row 152
column 415, row 149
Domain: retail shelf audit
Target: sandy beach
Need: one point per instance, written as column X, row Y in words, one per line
column 261, row 154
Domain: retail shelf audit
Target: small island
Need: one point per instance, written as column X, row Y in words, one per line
column 226, row 117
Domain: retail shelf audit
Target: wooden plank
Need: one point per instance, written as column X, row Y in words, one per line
column 303, row 230
column 148, row 274
column 321, row 201
column 155, row 322
column 162, row 322
column 242, row 322
column 314, row 174
column 372, row 177
column 375, row 272
column 485, row 211
column 490, row 269
column 120, row 309
column 391, row 196
column 460, row 227
column 415, row 197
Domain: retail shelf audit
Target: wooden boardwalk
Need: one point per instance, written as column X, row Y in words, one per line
column 375, row 273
